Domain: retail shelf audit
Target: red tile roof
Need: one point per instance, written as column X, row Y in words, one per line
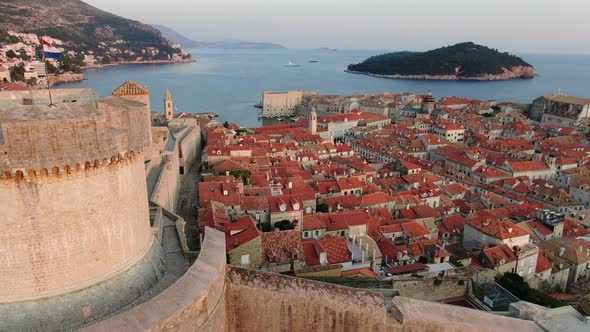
column 499, row 255
column 543, row 263
column 500, row 229
column 404, row 269
column 239, row 232
column 281, row 247
column 336, row 250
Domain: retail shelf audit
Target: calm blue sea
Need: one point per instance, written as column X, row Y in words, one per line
column 230, row 82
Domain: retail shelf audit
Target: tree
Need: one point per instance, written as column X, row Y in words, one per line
column 32, row 81
column 23, row 55
column 284, row 225
column 516, row 285
column 323, row 207
column 18, row 72
column 226, row 124
column 11, row 54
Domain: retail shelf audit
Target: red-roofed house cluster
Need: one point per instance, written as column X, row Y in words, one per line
column 390, row 184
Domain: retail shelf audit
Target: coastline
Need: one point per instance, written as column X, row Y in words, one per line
column 143, row 62
column 508, row 75
column 72, row 77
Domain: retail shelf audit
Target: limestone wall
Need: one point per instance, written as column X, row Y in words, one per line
column 165, row 191
column 190, row 146
column 432, row 290
column 213, row 297
column 35, row 137
column 196, row 302
column 259, row 301
column 71, row 228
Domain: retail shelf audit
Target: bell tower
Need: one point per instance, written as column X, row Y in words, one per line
column 168, row 113
column 313, row 122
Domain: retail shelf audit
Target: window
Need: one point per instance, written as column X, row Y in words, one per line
column 245, row 260
column 305, row 234
column 181, row 170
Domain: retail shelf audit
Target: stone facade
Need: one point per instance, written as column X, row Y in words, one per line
column 275, row 104
column 252, row 248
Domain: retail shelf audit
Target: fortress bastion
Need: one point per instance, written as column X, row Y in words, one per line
column 76, row 242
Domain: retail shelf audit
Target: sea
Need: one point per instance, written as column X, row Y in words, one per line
column 230, row 82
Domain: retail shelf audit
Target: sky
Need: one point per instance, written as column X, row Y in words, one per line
column 534, row 26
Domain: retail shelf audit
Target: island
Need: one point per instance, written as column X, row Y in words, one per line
column 463, row 61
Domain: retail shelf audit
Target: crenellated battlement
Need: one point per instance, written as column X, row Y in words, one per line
column 83, row 168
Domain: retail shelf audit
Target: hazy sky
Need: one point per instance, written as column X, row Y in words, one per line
column 547, row 26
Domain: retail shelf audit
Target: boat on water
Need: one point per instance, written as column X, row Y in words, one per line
column 313, row 61
column 279, row 119
column 291, row 64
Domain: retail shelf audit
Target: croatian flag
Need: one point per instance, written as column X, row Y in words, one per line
column 49, row 51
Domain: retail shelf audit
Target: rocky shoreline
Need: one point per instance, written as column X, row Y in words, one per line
column 70, row 77
column 67, row 77
column 519, row 72
column 146, row 62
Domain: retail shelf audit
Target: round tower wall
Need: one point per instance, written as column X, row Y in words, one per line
column 69, row 227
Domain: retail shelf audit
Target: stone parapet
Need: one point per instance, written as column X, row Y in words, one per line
column 196, row 302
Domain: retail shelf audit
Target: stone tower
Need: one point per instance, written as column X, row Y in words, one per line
column 169, row 114
column 313, row 121
column 428, row 104
column 77, row 242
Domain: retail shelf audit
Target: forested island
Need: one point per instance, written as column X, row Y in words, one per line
column 464, row 61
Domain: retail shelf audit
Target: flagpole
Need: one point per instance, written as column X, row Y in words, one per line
column 47, row 74
column 48, row 86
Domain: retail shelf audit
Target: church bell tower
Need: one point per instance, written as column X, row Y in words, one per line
column 168, row 112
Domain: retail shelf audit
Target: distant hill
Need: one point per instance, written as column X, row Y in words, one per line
column 85, row 28
column 461, row 61
column 186, row 42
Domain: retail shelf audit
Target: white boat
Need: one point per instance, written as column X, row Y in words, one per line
column 291, row 64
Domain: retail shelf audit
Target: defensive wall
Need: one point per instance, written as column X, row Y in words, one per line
column 178, row 155
column 214, row 297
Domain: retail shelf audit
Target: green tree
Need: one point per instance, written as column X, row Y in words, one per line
column 11, row 54
column 32, row 81
column 226, row 124
column 284, row 225
column 23, row 55
column 323, row 207
column 516, row 285
column 18, row 72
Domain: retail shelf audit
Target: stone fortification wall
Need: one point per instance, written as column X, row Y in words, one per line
column 165, row 191
column 260, row 301
column 196, row 302
column 41, row 97
column 189, row 145
column 71, row 227
column 213, row 297
column 431, row 289
column 36, row 136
